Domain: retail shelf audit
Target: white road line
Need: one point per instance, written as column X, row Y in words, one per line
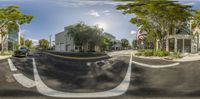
column 20, row 78
column 11, row 65
column 24, row 81
column 119, row 90
column 155, row 66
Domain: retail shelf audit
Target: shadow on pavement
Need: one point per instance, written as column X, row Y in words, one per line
column 18, row 93
column 76, row 76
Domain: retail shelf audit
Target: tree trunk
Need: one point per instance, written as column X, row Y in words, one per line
column 167, row 42
column 198, row 47
column 2, row 45
column 156, row 44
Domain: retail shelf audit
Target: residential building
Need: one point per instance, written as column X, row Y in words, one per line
column 117, row 45
column 64, row 42
column 185, row 39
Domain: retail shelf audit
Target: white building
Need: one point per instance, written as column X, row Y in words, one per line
column 185, row 40
column 64, row 42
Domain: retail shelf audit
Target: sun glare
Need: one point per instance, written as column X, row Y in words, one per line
column 101, row 25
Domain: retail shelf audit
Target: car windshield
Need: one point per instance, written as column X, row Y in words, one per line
column 99, row 49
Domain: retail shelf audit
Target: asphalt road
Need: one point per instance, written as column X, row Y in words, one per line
column 178, row 82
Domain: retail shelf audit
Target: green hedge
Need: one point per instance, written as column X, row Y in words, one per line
column 159, row 53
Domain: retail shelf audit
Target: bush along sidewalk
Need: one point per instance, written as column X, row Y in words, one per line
column 159, row 53
column 8, row 53
column 149, row 52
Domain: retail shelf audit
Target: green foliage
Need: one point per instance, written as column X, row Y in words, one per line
column 196, row 18
column 161, row 53
column 44, row 44
column 125, row 43
column 148, row 52
column 10, row 17
column 157, row 17
column 141, row 50
column 22, row 40
column 29, row 43
column 134, row 43
column 83, row 34
column 105, row 41
column 17, row 46
column 138, row 54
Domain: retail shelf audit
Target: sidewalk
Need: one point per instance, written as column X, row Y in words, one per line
column 186, row 58
column 4, row 57
column 189, row 57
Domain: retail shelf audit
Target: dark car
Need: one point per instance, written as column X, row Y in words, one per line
column 22, row 51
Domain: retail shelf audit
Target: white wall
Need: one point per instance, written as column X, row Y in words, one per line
column 60, row 42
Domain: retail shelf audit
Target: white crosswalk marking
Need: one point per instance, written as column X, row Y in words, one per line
column 11, row 65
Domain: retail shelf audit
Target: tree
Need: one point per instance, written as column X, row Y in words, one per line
column 104, row 43
column 10, row 18
column 158, row 17
column 196, row 24
column 134, row 44
column 22, row 40
column 44, row 43
column 125, row 43
column 29, row 43
column 84, row 35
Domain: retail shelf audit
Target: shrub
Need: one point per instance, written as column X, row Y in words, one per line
column 148, row 53
column 138, row 54
column 161, row 53
column 141, row 50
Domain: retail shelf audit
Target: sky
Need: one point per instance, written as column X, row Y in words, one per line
column 51, row 16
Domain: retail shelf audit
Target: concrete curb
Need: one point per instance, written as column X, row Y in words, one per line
column 76, row 58
column 155, row 66
column 164, row 58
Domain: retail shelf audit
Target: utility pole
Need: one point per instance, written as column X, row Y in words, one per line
column 19, row 33
column 50, row 41
column 24, row 39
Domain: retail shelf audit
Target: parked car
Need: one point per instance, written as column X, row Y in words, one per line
column 22, row 51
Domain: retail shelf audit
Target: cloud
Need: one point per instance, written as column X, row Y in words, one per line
column 189, row 2
column 106, row 12
column 35, row 41
column 133, row 32
column 93, row 13
column 78, row 3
